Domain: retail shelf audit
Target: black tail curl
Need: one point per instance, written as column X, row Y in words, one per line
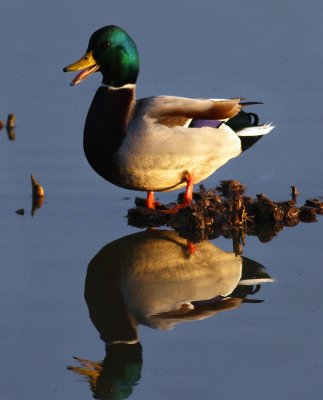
column 241, row 121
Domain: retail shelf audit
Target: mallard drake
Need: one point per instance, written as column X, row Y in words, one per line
column 157, row 143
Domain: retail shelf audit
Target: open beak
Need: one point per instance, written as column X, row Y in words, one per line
column 87, row 64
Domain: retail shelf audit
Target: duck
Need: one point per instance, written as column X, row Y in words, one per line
column 158, row 143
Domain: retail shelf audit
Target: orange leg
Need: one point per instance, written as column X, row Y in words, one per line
column 188, row 196
column 187, row 200
column 150, row 200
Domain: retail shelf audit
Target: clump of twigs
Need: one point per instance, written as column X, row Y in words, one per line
column 227, row 211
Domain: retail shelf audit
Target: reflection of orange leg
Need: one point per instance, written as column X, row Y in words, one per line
column 191, row 247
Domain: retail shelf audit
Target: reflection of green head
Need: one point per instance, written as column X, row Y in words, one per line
column 121, row 372
column 116, row 53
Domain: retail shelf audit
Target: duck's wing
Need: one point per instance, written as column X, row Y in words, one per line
column 171, row 110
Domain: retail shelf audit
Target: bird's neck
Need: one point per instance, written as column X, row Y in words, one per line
column 110, row 112
column 106, row 123
column 123, row 99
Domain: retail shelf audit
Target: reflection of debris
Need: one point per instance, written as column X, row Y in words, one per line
column 21, row 211
column 226, row 211
column 37, row 195
column 37, row 202
column 11, row 127
column 1, row 124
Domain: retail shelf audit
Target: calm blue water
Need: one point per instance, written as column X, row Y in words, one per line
column 266, row 51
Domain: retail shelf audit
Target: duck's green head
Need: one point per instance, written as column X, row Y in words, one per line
column 112, row 52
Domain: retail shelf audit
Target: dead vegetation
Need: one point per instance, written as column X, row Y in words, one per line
column 227, row 211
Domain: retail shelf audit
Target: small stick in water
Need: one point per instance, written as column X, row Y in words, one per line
column 11, row 127
column 37, row 189
column 295, row 193
column 11, row 121
column 38, row 195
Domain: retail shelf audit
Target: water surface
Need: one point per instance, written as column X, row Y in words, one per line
column 271, row 349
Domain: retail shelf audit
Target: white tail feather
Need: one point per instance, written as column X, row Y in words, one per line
column 256, row 281
column 256, row 130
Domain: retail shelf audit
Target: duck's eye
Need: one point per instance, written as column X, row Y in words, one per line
column 105, row 44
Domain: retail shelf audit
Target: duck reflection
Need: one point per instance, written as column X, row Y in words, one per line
column 151, row 278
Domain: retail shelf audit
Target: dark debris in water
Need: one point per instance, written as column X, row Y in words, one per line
column 21, row 211
column 227, row 211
